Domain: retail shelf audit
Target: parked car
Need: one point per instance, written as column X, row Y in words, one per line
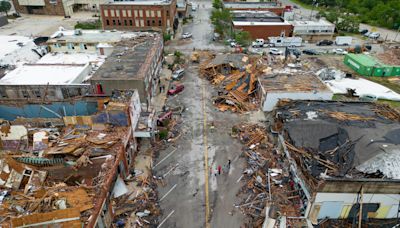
column 367, row 34
column 233, row 44
column 186, row 35
column 325, row 43
column 175, row 89
column 339, row 51
column 295, row 52
column 275, row 51
column 363, row 31
column 178, row 74
column 310, row 52
column 295, row 7
column 374, row 35
column 258, row 43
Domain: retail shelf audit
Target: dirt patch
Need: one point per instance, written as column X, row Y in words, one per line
column 390, row 57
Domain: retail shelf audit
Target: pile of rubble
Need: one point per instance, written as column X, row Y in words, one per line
column 390, row 57
column 235, row 76
column 267, row 176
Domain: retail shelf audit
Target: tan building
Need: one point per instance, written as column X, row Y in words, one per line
column 275, row 7
column 140, row 15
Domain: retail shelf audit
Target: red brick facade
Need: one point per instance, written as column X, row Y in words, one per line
column 265, row 31
column 137, row 17
column 54, row 8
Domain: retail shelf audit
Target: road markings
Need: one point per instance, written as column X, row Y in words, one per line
column 166, row 174
column 205, row 157
column 166, row 194
column 165, row 158
column 166, row 219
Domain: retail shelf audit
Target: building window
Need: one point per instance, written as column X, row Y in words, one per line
column 70, row 46
column 57, row 45
column 147, row 13
column 124, row 13
column 130, row 22
column 119, row 23
column 117, row 13
column 148, row 22
column 112, row 13
column 105, row 13
column 141, row 23
column 168, row 23
column 37, row 93
column 153, row 23
column 159, row 13
column 137, row 23
column 3, row 93
column 152, row 13
column 125, row 23
column 167, row 13
column 107, row 22
column 135, row 13
column 159, row 23
column 129, row 13
column 113, row 22
column 140, row 13
column 25, row 94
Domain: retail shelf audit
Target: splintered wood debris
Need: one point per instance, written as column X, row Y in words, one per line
column 267, row 177
column 235, row 76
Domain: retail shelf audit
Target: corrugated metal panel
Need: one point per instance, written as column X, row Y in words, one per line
column 330, row 209
column 345, row 211
column 383, row 211
column 396, row 71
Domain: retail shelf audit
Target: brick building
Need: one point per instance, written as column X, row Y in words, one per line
column 261, row 24
column 275, row 7
column 55, row 7
column 140, row 15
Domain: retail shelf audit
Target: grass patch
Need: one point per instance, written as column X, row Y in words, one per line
column 88, row 25
column 302, row 4
column 393, row 104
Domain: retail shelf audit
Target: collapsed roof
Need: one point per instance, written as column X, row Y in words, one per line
column 345, row 140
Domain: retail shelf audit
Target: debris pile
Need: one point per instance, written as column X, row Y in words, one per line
column 390, row 57
column 267, row 177
column 235, row 76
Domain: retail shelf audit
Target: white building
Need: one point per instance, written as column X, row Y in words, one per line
column 291, row 85
column 313, row 30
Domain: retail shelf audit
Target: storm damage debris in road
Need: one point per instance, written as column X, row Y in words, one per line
column 267, row 177
column 235, row 75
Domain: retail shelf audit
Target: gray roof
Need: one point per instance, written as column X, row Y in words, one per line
column 247, row 5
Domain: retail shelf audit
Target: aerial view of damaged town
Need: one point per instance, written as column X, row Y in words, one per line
column 199, row 113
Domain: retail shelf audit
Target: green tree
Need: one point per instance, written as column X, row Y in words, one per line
column 222, row 21
column 217, row 4
column 5, row 7
column 242, row 37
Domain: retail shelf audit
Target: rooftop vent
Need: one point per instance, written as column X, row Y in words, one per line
column 77, row 32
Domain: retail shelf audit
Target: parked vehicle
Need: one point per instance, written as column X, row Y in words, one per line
column 186, row 35
column 285, row 41
column 275, row 51
column 175, row 89
column 325, row 43
column 178, row 74
column 374, row 35
column 258, row 43
column 310, row 52
column 216, row 36
column 162, row 117
column 343, row 40
column 363, row 31
column 194, row 7
column 233, row 44
column 339, row 51
column 295, row 52
column 367, row 34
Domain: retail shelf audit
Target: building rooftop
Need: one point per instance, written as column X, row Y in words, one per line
column 342, row 139
column 300, row 81
column 320, row 22
column 141, row 2
column 17, row 50
column 72, row 58
column 43, row 74
column 251, row 5
column 130, row 58
column 87, row 36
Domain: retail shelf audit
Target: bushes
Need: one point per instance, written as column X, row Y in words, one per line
column 166, row 37
column 88, row 25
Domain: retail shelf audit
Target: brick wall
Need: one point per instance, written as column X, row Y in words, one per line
column 47, row 9
column 264, row 32
column 138, row 17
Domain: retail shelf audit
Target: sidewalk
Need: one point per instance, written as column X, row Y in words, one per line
column 159, row 100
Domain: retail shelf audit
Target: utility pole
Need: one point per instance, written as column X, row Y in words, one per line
column 361, row 206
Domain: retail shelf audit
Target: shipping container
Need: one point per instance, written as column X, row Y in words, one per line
column 362, row 64
column 396, row 71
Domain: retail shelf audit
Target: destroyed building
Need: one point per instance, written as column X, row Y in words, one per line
column 295, row 84
column 134, row 64
column 343, row 155
column 68, row 171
